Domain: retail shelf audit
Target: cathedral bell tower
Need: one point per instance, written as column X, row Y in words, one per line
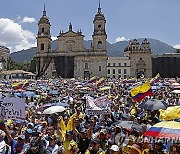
column 44, row 35
column 99, row 34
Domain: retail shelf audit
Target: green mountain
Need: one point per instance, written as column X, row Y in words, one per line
column 114, row 50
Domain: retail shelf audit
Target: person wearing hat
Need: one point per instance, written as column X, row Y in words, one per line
column 146, row 145
column 51, row 145
column 19, row 145
column 114, row 149
column 103, row 139
column 35, row 148
column 128, row 142
column 158, row 146
column 84, row 136
column 94, row 147
column 70, row 146
column 134, row 149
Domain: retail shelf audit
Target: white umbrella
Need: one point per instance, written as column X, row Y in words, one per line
column 176, row 91
column 54, row 109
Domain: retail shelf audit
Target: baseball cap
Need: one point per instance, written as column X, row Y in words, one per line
column 68, row 132
column 114, row 148
column 21, row 137
column 31, row 124
column 83, row 130
column 53, row 137
column 29, row 131
column 95, row 140
column 103, row 131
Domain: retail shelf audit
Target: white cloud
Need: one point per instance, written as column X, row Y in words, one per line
column 177, row 46
column 119, row 39
column 54, row 38
column 28, row 20
column 14, row 36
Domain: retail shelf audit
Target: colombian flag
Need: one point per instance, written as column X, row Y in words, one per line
column 170, row 129
column 20, row 85
column 100, row 82
column 93, row 79
column 139, row 92
column 155, row 79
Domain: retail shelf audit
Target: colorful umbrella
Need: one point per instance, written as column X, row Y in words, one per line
column 164, row 129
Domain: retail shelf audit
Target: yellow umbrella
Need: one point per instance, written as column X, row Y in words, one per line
column 105, row 88
column 170, row 113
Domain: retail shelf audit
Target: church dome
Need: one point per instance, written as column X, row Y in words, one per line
column 44, row 19
column 99, row 15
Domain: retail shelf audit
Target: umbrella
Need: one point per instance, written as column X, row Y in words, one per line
column 171, row 113
column 54, row 92
column 54, row 109
column 131, row 125
column 60, row 104
column 164, row 129
column 105, row 88
column 28, row 94
column 176, row 91
column 153, row 104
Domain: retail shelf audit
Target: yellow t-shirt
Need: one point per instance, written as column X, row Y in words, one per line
column 69, row 146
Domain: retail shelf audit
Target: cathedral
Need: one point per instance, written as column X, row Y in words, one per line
column 71, row 59
column 140, row 57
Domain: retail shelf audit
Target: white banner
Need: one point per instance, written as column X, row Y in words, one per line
column 14, row 108
column 96, row 106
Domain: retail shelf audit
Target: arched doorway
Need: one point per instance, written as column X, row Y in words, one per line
column 140, row 68
column 86, row 75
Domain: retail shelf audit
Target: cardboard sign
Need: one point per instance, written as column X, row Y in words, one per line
column 13, row 108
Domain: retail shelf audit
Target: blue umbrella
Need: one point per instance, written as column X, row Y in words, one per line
column 60, row 104
column 17, row 94
column 53, row 92
column 28, row 94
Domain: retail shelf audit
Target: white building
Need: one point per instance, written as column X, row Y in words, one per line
column 118, row 67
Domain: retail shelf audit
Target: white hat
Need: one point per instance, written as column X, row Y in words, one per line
column 114, row 148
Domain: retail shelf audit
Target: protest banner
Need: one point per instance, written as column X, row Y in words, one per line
column 13, row 108
column 92, row 108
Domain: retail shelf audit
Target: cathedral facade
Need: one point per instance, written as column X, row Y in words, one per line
column 71, row 59
column 140, row 57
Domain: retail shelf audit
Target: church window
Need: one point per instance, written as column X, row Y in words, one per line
column 42, row 46
column 109, row 71
column 99, row 26
column 42, row 30
column 86, row 65
column 114, row 71
column 99, row 68
column 124, row 76
column 119, row 64
column 119, row 71
column 99, row 45
column 114, row 76
column 119, row 76
column 109, row 64
column 125, row 64
column 125, row 71
column 114, row 64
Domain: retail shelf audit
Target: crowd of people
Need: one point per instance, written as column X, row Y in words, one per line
column 74, row 131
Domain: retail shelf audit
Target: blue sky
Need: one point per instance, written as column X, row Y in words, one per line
column 126, row 19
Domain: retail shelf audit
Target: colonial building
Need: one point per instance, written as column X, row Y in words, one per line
column 4, row 58
column 167, row 65
column 140, row 58
column 118, row 67
column 71, row 59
